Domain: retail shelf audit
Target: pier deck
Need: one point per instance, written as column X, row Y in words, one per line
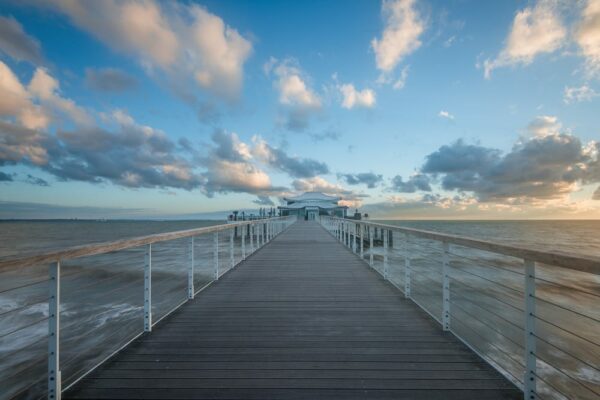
column 302, row 318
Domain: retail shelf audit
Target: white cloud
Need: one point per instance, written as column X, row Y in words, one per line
column 356, row 98
column 13, row 96
column 139, row 28
column 186, row 42
column 544, row 125
column 445, row 114
column 16, row 101
column 587, row 36
column 293, row 89
column 46, row 89
column 399, row 84
column 229, row 176
column 535, row 30
column 299, row 100
column 403, row 27
column 579, row 94
column 221, row 53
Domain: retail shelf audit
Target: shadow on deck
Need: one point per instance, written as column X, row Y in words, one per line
column 302, row 318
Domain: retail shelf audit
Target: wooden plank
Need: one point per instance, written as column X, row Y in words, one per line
column 302, row 318
column 293, row 394
column 293, row 365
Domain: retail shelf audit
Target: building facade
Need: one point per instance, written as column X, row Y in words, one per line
column 312, row 204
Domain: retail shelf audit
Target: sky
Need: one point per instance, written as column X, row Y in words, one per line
column 407, row 109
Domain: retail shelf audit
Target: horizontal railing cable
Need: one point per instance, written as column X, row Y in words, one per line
column 481, row 292
column 568, row 309
column 501, row 351
column 479, row 306
column 487, row 325
column 594, row 367
column 562, row 372
column 487, row 264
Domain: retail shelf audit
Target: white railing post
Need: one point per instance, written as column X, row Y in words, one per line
column 406, row 268
column 244, row 228
column 148, row 289
column 385, row 254
column 216, row 256
column 445, row 288
column 371, row 246
column 354, row 238
column 251, row 231
column 529, row 380
column 362, row 245
column 191, row 269
column 54, row 376
column 231, row 255
column 259, row 236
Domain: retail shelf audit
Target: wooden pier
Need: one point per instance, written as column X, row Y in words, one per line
column 301, row 318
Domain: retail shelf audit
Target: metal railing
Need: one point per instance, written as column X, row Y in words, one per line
column 533, row 315
column 109, row 292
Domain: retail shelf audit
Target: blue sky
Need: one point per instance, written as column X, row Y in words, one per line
column 406, row 109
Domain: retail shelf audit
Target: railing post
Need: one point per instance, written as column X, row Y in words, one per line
column 529, row 385
column 216, row 255
column 385, row 254
column 446, row 288
column 54, row 376
column 251, row 231
column 362, row 245
column 148, row 289
column 244, row 228
column 371, row 246
column 231, row 255
column 191, row 269
column 406, row 268
column 259, row 241
column 354, row 238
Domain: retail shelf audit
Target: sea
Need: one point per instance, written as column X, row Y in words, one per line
column 102, row 296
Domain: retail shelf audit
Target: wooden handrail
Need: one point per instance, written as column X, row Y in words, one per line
column 589, row 264
column 107, row 247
